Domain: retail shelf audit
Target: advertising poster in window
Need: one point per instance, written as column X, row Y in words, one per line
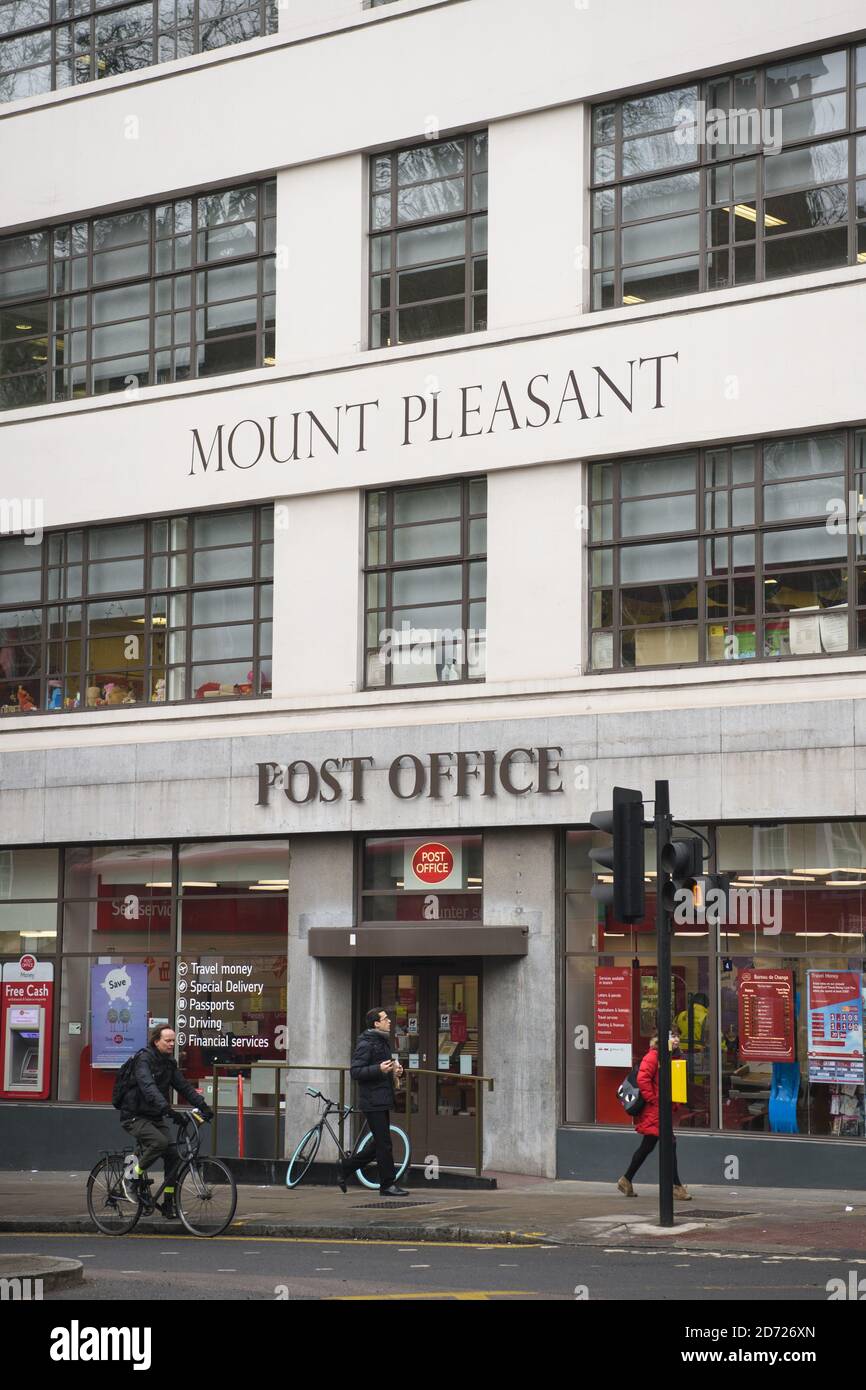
column 433, row 864
column 766, row 1014
column 613, row 1017
column 835, row 1015
column 118, row 1012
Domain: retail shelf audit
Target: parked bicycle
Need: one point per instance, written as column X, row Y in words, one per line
column 206, row 1193
column 302, row 1159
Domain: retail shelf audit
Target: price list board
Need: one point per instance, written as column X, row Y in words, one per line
column 766, row 1008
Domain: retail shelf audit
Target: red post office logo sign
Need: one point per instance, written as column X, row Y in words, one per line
column 433, row 863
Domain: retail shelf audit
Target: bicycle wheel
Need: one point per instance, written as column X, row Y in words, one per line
column 110, row 1209
column 300, row 1161
column 206, row 1196
column 402, row 1154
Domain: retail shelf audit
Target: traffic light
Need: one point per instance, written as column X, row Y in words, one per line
column 683, row 864
column 624, row 858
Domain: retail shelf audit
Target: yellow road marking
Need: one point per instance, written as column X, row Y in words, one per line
column 475, row 1295
column 284, row 1240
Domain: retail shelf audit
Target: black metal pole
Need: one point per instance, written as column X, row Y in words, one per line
column 663, row 1022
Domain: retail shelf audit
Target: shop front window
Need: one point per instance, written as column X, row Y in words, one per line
column 28, row 901
column 195, row 936
column 424, row 879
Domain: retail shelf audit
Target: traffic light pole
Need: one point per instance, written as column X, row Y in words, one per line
column 663, row 828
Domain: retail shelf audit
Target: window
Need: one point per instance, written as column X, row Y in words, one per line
column 795, row 906
column 142, row 612
column 748, row 176
column 193, row 935
column 428, row 242
column 28, row 902
column 729, row 554
column 45, row 45
column 157, row 294
column 423, row 879
column 426, row 572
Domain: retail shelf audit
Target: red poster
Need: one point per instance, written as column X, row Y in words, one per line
column 613, row 1016
column 766, row 1009
column 458, row 1028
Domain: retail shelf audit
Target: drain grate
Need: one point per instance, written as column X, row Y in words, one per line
column 388, row 1205
column 686, row 1212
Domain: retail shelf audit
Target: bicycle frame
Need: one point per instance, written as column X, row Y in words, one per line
column 191, row 1141
column 347, row 1110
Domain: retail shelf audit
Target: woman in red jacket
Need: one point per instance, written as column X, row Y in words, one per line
column 647, row 1123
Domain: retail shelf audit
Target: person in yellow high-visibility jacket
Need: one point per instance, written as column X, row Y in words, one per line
column 700, row 1011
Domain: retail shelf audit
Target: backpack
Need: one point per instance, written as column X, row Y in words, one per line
column 124, row 1082
column 629, row 1094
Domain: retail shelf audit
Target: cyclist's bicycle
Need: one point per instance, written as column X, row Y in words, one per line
column 302, row 1159
column 206, row 1193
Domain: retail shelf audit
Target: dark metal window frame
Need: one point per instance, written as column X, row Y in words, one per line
column 362, row 893
column 389, row 616
column 706, row 161
column 86, row 64
column 470, row 216
column 151, row 668
column 853, row 562
column 62, row 269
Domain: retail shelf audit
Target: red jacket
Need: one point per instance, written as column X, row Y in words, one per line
column 647, row 1121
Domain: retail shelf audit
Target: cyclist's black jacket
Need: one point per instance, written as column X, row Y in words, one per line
column 375, row 1089
column 155, row 1075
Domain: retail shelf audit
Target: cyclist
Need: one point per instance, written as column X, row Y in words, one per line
column 146, row 1110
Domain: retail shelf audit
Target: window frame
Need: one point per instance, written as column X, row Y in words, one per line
column 151, row 668
column 378, row 316
column 851, row 560
column 388, row 567
column 705, row 161
column 62, row 304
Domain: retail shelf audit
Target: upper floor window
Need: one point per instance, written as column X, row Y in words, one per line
column 426, row 614
column 748, row 176
column 152, row 295
column 45, row 44
column 137, row 613
column 428, row 243
column 729, row 554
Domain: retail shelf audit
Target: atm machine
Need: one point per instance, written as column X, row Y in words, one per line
column 25, row 1030
column 24, row 1050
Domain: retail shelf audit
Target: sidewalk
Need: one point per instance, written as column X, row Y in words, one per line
column 722, row 1220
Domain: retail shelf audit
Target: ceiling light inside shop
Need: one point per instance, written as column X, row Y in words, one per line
column 632, row 299
column 861, row 256
column 690, row 933
column 158, row 885
column 24, row 327
column 811, row 933
column 750, row 215
column 845, row 882
column 33, row 934
column 269, row 888
column 191, row 883
column 283, row 881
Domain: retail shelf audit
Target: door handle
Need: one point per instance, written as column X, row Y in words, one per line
column 423, row 1056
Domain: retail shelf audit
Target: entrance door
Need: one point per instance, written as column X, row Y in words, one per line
column 436, row 1017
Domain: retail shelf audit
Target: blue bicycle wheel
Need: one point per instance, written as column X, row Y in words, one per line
column 402, row 1154
column 303, row 1156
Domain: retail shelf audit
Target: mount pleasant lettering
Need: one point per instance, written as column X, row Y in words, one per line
column 463, row 412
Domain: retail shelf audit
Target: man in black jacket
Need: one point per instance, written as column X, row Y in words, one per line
column 146, row 1110
column 374, row 1069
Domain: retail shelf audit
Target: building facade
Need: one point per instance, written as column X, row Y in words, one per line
column 417, row 418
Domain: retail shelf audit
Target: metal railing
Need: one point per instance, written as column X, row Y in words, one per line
column 234, row 1068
